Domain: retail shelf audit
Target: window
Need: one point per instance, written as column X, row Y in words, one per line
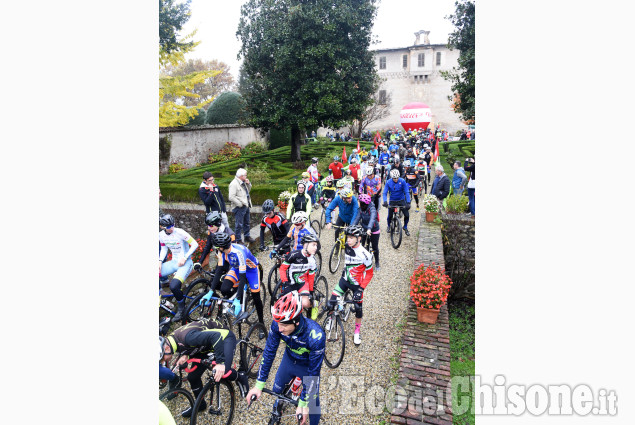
column 425, row 78
column 382, row 97
column 422, row 60
column 438, row 58
column 405, row 61
column 382, row 62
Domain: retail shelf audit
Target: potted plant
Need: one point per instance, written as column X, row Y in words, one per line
column 283, row 200
column 429, row 289
column 431, row 207
column 456, row 204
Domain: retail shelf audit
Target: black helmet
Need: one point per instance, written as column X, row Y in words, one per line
column 213, row 219
column 267, row 206
column 166, row 220
column 309, row 237
column 355, row 230
column 314, row 160
column 364, row 157
column 222, row 240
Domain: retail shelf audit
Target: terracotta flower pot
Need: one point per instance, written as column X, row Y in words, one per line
column 430, row 216
column 283, row 205
column 427, row 315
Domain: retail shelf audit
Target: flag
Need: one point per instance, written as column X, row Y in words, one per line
column 436, row 152
column 357, row 145
column 344, row 156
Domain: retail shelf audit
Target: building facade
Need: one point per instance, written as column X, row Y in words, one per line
column 412, row 74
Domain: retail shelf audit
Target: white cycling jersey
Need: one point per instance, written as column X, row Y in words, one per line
column 180, row 243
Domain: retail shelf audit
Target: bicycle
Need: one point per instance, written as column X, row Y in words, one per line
column 334, row 329
column 167, row 308
column 274, row 275
column 221, row 399
column 338, row 250
column 368, row 245
column 282, row 402
column 319, row 296
column 395, row 226
column 323, row 202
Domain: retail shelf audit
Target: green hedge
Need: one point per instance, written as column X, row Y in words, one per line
column 227, row 108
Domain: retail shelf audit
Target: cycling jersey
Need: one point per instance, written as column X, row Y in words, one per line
column 296, row 235
column 313, row 171
column 412, row 177
column 208, row 335
column 239, row 258
column 328, row 192
column 305, row 346
column 368, row 219
column 298, row 271
column 359, row 266
column 354, row 171
column 299, row 202
column 336, row 169
column 348, row 182
column 180, row 243
column 384, row 158
column 210, row 240
column 371, row 186
column 278, row 226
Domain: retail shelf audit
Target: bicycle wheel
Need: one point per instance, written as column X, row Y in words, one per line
column 323, row 218
column 220, row 398
column 315, row 225
column 252, row 349
column 335, row 341
column 318, row 260
column 177, row 401
column 348, row 307
column 335, row 257
column 276, row 291
column 195, row 311
column 196, row 287
column 320, row 292
column 273, row 279
column 395, row 232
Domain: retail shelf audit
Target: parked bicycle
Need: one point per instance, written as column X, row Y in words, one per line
column 334, row 329
column 337, row 253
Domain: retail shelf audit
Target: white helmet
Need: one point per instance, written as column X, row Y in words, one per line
column 406, row 163
column 425, row 145
column 354, row 150
column 299, row 217
column 396, row 158
column 369, row 171
column 394, row 174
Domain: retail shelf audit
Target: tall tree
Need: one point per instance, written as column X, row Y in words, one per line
column 463, row 77
column 208, row 89
column 377, row 110
column 172, row 17
column 306, row 64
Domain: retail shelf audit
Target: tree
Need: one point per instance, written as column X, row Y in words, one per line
column 208, row 89
column 172, row 17
column 377, row 110
column 228, row 108
column 306, row 64
column 463, row 77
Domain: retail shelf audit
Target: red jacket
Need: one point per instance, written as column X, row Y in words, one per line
column 336, row 168
column 354, row 170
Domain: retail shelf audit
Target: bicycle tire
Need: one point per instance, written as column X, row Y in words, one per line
column 315, row 225
column 197, row 286
column 194, row 311
column 323, row 218
column 273, row 278
column 348, row 307
column 177, row 401
column 227, row 397
column 251, row 354
column 318, row 261
column 320, row 292
column 276, row 292
column 395, row 232
column 334, row 335
column 335, row 258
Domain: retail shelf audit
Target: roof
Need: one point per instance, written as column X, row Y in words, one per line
column 425, row 46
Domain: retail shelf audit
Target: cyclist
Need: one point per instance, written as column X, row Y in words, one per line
column 277, row 224
column 412, row 178
column 348, row 209
column 335, row 169
column 314, row 175
column 214, row 221
column 368, row 218
column 427, row 157
column 362, row 166
column 353, row 156
column 399, row 196
column 353, row 171
column 356, row 275
column 296, row 233
column 410, row 156
column 398, row 166
column 198, row 339
column 300, row 201
column 347, row 181
column 384, row 156
column 166, row 373
column 422, row 168
column 182, row 246
column 308, row 185
column 371, row 185
column 302, row 357
column 242, row 268
column 297, row 272
column 328, row 191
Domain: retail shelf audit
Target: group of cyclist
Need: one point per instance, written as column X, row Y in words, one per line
column 357, row 201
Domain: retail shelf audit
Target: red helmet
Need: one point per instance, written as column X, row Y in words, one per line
column 287, row 308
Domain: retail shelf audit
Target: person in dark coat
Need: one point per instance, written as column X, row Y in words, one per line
column 441, row 184
column 212, row 197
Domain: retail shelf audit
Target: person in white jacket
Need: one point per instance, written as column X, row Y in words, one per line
column 239, row 197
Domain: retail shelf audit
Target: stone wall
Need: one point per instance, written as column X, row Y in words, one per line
column 190, row 146
column 459, row 242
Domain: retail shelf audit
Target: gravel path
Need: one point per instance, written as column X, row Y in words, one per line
column 354, row 393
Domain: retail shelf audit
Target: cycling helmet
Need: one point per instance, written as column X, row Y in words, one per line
column 222, row 240
column 354, row 150
column 213, row 219
column 287, row 309
column 391, row 160
column 172, row 343
column 299, row 217
column 314, row 160
column 336, row 158
column 406, row 163
column 301, row 183
column 309, row 237
column 355, row 230
column 365, row 158
column 422, row 156
column 161, row 349
column 340, row 184
column 364, row 198
column 329, row 178
column 267, row 206
column 396, row 158
column 370, row 171
column 305, row 175
column 346, row 193
column 166, row 220
column 349, row 172
column 394, row 174
column 425, row 146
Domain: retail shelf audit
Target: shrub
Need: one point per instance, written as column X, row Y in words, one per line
column 259, row 174
column 456, row 203
column 429, row 286
column 200, row 119
column 165, row 143
column 229, row 151
column 227, row 108
column 175, row 167
column 279, row 138
column 430, row 203
column 254, row 147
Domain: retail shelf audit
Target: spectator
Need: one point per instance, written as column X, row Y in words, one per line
column 471, row 184
column 300, row 201
column 460, row 179
column 241, row 202
column 313, row 134
column 441, row 184
column 212, row 197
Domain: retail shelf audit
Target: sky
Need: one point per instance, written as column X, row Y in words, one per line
column 396, row 22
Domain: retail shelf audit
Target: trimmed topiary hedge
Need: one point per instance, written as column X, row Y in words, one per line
column 227, row 108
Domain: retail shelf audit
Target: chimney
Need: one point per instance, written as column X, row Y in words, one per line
column 426, row 40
